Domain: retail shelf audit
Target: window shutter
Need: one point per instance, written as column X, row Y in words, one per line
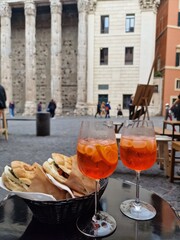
column 177, row 59
column 178, row 19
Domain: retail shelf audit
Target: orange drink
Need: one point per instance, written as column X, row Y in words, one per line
column 97, row 158
column 138, row 153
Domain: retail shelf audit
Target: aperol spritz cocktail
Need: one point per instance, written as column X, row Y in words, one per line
column 138, row 152
column 97, row 157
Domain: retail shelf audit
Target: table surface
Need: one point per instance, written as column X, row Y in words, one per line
column 173, row 122
column 16, row 221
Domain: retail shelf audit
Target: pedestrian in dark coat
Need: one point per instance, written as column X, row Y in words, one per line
column 52, row 108
column 2, row 97
column 107, row 108
column 98, row 111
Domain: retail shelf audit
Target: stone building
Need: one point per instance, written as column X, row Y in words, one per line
column 77, row 52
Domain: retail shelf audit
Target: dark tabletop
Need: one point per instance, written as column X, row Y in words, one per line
column 17, row 222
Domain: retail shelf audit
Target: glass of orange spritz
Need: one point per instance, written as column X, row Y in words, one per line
column 97, row 156
column 138, row 152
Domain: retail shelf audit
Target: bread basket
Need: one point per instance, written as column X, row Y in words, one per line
column 66, row 210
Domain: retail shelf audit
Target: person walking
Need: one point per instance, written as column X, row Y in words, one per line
column 98, row 109
column 39, row 107
column 103, row 111
column 119, row 110
column 168, row 113
column 11, row 109
column 107, row 108
column 175, row 108
column 3, row 99
column 52, row 108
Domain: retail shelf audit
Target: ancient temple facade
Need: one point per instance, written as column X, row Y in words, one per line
column 77, row 52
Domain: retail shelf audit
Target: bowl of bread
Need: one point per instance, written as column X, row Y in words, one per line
column 56, row 191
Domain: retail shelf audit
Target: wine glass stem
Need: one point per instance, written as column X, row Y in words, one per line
column 96, row 211
column 137, row 187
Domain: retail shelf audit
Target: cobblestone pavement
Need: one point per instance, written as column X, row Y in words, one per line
column 24, row 145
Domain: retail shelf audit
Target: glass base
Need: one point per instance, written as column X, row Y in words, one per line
column 102, row 227
column 144, row 211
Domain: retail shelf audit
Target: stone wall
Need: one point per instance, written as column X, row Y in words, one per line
column 43, row 56
column 78, row 74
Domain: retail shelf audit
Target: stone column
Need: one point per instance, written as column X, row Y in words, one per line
column 30, row 58
column 148, row 21
column 81, row 105
column 6, row 72
column 90, row 54
column 56, row 54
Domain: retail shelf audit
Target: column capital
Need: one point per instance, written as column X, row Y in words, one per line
column 83, row 5
column 92, row 6
column 149, row 4
column 30, row 8
column 56, row 6
column 5, row 10
column 87, row 5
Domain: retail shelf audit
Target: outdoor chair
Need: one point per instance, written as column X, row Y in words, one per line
column 3, row 125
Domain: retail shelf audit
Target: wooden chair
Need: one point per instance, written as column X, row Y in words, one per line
column 3, row 126
column 163, row 158
column 174, row 160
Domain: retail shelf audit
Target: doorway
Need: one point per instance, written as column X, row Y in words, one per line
column 103, row 98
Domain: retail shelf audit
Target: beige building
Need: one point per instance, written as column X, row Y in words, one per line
column 77, row 52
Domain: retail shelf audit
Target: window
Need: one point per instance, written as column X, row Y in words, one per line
column 178, row 19
column 126, row 100
column 177, row 59
column 104, row 24
column 103, row 86
column 173, row 99
column 129, row 55
column 104, row 56
column 130, row 22
column 177, row 84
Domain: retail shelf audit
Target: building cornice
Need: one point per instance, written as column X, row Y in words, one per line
column 39, row 2
column 147, row 5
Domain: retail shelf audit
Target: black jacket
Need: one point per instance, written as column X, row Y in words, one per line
column 2, row 97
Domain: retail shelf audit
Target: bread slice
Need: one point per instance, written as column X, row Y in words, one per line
column 52, row 168
column 63, row 162
column 23, row 171
column 12, row 182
